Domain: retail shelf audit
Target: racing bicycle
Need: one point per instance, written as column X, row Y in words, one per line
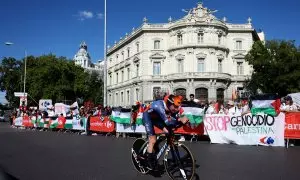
column 178, row 160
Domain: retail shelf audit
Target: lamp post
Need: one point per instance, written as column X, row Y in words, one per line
column 25, row 60
column 105, row 61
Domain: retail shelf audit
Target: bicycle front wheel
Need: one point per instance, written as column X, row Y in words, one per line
column 138, row 150
column 179, row 162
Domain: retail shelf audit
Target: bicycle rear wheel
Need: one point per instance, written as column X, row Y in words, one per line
column 137, row 151
column 179, row 162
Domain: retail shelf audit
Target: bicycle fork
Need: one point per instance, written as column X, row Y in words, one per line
column 176, row 157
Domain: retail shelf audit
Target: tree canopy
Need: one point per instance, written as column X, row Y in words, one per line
column 276, row 67
column 49, row 77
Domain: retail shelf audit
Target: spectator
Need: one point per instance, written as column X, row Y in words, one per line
column 211, row 108
column 289, row 105
column 231, row 108
column 245, row 107
column 222, row 109
column 192, row 98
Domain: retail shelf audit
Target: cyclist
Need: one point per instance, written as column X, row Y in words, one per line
column 161, row 113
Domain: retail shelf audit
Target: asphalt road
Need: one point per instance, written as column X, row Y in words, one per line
column 34, row 155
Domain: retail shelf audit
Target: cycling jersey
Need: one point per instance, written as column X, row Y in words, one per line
column 156, row 115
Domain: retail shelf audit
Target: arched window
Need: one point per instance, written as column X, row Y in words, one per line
column 201, row 94
column 220, row 95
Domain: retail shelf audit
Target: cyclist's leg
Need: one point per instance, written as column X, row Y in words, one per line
column 151, row 157
column 147, row 121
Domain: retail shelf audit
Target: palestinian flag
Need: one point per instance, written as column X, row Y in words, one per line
column 121, row 115
column 193, row 112
column 266, row 103
column 54, row 124
column 69, row 123
column 40, row 121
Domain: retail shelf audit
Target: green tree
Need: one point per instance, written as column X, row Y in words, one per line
column 10, row 79
column 49, row 77
column 276, row 66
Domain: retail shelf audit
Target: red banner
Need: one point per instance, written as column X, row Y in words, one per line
column 292, row 125
column 27, row 121
column 101, row 125
column 61, row 122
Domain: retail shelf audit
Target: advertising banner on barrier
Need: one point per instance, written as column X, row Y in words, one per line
column 260, row 129
column 292, row 125
column 127, row 128
column 18, row 121
column 101, row 125
column 27, row 121
column 79, row 123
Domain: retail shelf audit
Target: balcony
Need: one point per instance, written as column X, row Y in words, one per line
column 240, row 77
column 202, row 45
column 189, row 75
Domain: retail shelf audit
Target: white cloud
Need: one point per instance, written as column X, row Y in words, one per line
column 100, row 16
column 83, row 15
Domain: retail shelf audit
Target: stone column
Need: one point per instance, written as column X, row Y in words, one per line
column 212, row 91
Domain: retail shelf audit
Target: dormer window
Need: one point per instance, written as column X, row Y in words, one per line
column 179, row 39
column 157, row 44
column 200, row 37
column 238, row 45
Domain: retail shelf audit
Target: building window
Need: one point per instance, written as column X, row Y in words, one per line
column 179, row 39
column 156, row 68
column 128, row 97
column 220, row 66
column 137, row 70
column 117, row 76
column 122, row 97
column 220, row 95
column 110, row 59
column 180, row 66
column 201, row 94
column 117, row 57
column 117, row 99
column 137, row 47
column 240, row 68
column 110, row 100
column 238, row 45
column 156, row 44
column 123, row 56
column 122, row 78
column 180, row 92
column 110, row 79
column 128, row 73
column 219, row 39
column 137, row 94
column 128, row 52
column 200, row 38
column 200, row 65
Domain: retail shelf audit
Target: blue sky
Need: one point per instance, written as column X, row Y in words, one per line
column 58, row 26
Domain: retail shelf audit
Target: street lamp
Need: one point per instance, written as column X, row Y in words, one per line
column 9, row 44
column 105, row 60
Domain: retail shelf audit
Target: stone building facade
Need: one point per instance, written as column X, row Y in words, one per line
column 197, row 54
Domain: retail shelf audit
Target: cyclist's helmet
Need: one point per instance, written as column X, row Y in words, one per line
column 173, row 100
